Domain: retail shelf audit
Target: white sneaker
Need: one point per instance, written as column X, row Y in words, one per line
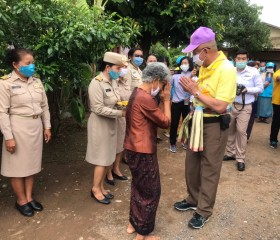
column 184, row 145
column 173, row 148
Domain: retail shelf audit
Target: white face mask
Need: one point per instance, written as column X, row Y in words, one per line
column 185, row 67
column 123, row 72
column 197, row 60
column 155, row 92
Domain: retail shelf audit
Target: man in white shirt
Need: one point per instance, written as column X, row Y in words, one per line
column 249, row 83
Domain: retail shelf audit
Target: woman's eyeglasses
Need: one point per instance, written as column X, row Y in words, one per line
column 137, row 55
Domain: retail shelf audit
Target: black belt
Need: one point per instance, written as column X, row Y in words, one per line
column 211, row 119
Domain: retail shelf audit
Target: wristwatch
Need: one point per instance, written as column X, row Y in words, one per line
column 196, row 95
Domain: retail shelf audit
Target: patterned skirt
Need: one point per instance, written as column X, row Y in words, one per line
column 145, row 190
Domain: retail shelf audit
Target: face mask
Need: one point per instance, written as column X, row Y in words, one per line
column 28, row 70
column 197, row 60
column 184, row 67
column 262, row 69
column 123, row 72
column 155, row 92
column 114, row 75
column 241, row 65
column 137, row 61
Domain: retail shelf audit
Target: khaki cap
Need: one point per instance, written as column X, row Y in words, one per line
column 115, row 58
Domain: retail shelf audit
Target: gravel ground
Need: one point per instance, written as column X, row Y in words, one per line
column 247, row 205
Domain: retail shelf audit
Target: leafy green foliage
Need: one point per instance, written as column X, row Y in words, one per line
column 238, row 25
column 67, row 37
column 169, row 21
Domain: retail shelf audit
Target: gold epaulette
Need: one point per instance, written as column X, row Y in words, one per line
column 5, row 77
column 99, row 78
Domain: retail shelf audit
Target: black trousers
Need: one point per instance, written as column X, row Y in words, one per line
column 177, row 110
column 275, row 123
column 252, row 119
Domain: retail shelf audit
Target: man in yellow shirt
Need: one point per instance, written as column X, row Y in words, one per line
column 276, row 110
column 213, row 92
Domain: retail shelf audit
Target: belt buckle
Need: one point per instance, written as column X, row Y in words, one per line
column 35, row 116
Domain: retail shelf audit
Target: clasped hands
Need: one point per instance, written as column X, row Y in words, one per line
column 189, row 85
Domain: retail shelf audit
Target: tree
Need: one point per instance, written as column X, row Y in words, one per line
column 67, row 40
column 167, row 21
column 238, row 25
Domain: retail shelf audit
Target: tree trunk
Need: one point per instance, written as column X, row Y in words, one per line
column 146, row 42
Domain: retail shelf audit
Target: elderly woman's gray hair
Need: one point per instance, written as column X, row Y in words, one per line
column 156, row 70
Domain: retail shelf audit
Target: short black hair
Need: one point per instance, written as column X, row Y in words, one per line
column 252, row 64
column 190, row 62
column 132, row 51
column 15, row 55
column 242, row 51
column 151, row 54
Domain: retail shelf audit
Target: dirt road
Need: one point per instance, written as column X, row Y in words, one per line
column 247, row 206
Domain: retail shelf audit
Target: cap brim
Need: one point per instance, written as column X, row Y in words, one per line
column 190, row 48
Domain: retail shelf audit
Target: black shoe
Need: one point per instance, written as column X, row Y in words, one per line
column 228, row 158
column 109, row 195
column 197, row 221
column 36, row 205
column 110, row 182
column 240, row 166
column 26, row 210
column 184, row 206
column 103, row 201
column 123, row 178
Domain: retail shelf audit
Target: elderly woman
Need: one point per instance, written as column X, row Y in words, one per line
column 134, row 73
column 143, row 116
column 23, row 109
column 102, row 124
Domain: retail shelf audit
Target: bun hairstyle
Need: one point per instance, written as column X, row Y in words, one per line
column 15, row 55
column 102, row 65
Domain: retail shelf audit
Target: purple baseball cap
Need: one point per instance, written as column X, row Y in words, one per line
column 200, row 36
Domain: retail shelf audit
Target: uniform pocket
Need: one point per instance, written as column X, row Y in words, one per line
column 17, row 91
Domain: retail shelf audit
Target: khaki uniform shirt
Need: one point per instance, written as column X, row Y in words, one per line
column 21, row 98
column 133, row 77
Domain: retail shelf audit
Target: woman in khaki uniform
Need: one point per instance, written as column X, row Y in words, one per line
column 114, row 172
column 134, row 75
column 23, row 108
column 102, row 123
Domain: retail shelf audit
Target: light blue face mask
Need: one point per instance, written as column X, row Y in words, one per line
column 114, row 75
column 241, row 65
column 262, row 69
column 28, row 70
column 137, row 61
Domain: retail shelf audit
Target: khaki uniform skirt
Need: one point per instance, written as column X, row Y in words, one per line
column 121, row 134
column 27, row 158
column 102, row 140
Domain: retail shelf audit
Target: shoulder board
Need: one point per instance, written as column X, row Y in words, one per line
column 99, row 78
column 5, row 77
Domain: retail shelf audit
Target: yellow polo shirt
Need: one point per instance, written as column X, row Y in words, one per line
column 276, row 89
column 218, row 80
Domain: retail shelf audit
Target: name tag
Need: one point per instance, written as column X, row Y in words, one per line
column 108, row 90
column 15, row 87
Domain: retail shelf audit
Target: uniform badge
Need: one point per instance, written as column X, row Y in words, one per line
column 108, row 90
